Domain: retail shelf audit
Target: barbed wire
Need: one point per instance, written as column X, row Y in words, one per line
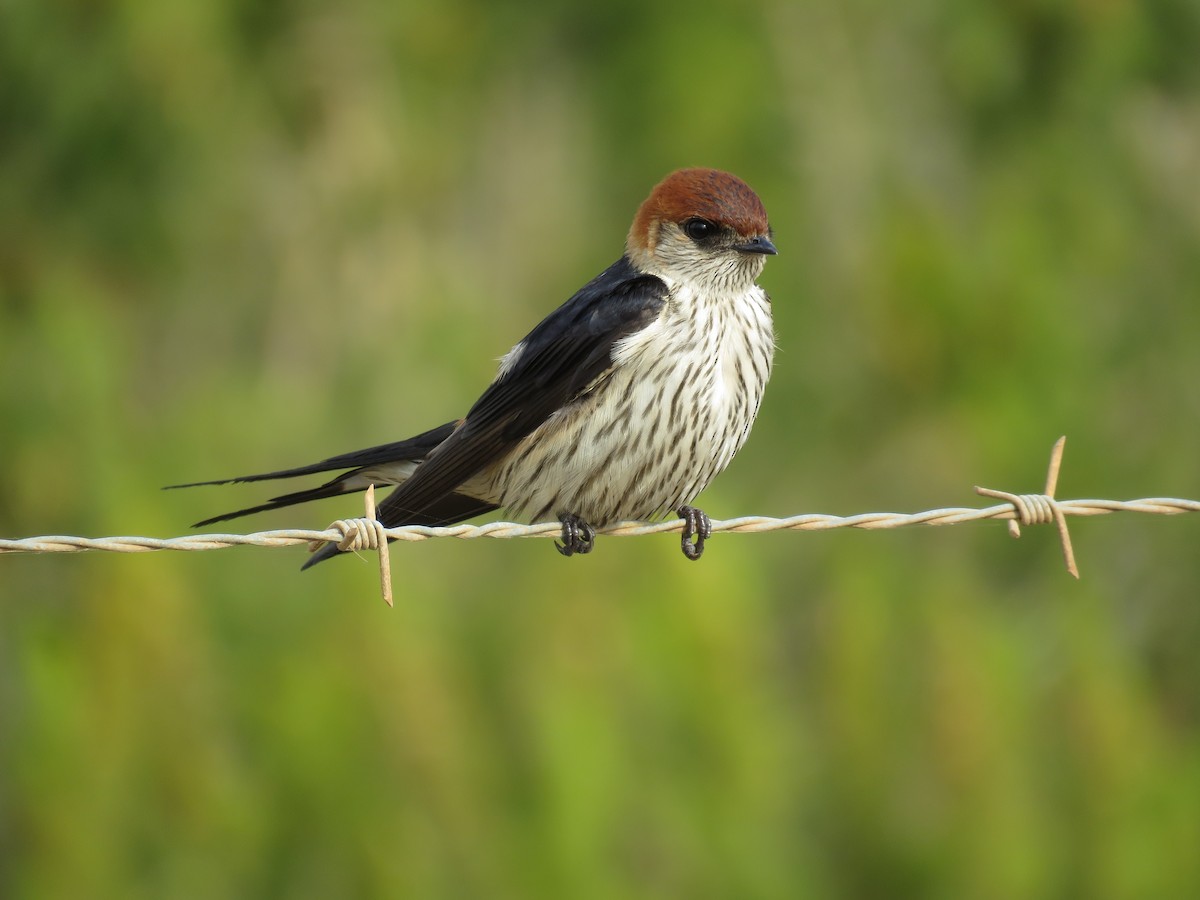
column 369, row 534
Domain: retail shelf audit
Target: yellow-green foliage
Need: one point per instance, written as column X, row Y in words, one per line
column 241, row 236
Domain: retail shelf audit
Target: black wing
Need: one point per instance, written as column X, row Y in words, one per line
column 398, row 451
column 412, row 449
column 555, row 364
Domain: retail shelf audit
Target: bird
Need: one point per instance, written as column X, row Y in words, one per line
column 624, row 403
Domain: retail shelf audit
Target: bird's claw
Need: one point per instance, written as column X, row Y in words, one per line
column 697, row 522
column 577, row 535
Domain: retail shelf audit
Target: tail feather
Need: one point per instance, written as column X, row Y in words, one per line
column 412, row 449
column 384, row 464
column 330, row 489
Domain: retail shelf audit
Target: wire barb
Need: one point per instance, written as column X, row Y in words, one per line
column 1040, row 509
column 365, row 534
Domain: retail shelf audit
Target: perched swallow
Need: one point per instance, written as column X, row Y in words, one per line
column 623, row 403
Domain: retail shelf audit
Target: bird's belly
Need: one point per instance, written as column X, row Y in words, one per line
column 645, row 440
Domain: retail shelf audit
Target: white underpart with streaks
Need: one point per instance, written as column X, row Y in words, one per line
column 677, row 404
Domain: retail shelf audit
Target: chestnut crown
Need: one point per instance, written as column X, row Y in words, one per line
column 698, row 214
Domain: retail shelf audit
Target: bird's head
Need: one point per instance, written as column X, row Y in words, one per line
column 702, row 226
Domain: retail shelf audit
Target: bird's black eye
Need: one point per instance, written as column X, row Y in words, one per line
column 698, row 229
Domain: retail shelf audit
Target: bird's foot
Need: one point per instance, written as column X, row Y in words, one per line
column 577, row 535
column 697, row 522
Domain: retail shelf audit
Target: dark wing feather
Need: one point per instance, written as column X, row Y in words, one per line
column 453, row 508
column 413, row 448
column 559, row 359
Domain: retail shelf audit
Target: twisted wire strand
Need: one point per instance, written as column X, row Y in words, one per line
column 369, row 534
column 338, row 531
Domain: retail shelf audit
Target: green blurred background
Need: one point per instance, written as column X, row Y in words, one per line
column 236, row 237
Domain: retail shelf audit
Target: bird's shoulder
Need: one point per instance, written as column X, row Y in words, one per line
column 618, row 300
column 573, row 345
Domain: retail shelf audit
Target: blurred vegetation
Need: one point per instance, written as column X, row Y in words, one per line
column 241, row 236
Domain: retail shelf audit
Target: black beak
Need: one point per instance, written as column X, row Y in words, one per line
column 760, row 244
